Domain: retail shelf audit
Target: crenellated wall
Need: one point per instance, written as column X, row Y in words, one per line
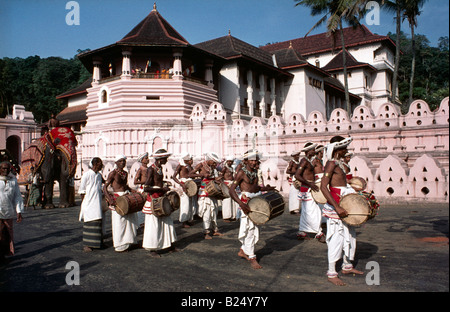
column 402, row 157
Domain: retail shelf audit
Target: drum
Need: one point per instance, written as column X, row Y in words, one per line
column 225, row 190
column 174, row 199
column 265, row 207
column 130, row 203
column 191, row 188
column 318, row 196
column 360, row 207
column 358, row 183
column 213, row 189
column 161, row 206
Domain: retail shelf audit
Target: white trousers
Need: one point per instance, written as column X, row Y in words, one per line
column 248, row 231
column 186, row 208
column 208, row 209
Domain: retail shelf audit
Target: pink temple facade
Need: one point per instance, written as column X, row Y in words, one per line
column 152, row 89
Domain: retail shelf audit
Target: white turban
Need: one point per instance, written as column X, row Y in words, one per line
column 119, row 157
column 337, row 145
column 251, row 154
column 229, row 158
column 161, row 153
column 142, row 156
column 184, row 157
column 309, row 147
column 212, row 156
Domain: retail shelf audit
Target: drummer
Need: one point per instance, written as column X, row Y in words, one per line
column 124, row 228
column 311, row 216
column 180, row 176
column 139, row 180
column 208, row 206
column 141, row 174
column 294, row 204
column 159, row 232
column 341, row 238
column 229, row 207
column 247, row 180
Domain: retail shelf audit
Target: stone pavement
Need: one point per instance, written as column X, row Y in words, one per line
column 408, row 243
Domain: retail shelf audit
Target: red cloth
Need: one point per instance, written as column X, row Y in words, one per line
column 67, row 143
column 335, row 193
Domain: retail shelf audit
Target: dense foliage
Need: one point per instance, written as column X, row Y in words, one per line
column 35, row 82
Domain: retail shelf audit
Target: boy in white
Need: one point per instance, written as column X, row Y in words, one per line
column 180, row 176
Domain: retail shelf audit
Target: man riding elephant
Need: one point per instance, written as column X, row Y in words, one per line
column 54, row 157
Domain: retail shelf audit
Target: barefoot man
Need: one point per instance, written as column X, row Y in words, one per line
column 180, row 176
column 311, row 217
column 294, row 204
column 124, row 228
column 159, row 232
column 247, row 180
column 208, row 206
column 341, row 238
column 229, row 206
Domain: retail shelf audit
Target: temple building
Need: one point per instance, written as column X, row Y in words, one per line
column 153, row 89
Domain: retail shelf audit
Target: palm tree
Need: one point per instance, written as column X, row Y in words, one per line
column 398, row 7
column 412, row 10
column 335, row 12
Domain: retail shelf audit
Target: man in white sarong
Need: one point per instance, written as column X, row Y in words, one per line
column 247, row 180
column 91, row 212
column 124, row 228
column 341, row 238
column 294, row 204
column 208, row 207
column 229, row 206
column 159, row 232
column 311, row 216
column 187, row 204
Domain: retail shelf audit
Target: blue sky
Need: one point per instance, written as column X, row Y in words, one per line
column 38, row 27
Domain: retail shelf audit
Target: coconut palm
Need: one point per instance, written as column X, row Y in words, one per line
column 398, row 7
column 411, row 12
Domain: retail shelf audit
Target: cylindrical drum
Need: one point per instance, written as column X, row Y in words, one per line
column 130, row 203
column 265, row 207
column 161, row 206
column 358, row 207
column 191, row 188
column 358, row 183
column 318, row 196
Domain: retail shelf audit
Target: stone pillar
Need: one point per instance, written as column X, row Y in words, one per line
column 177, row 65
column 209, row 73
column 97, row 73
column 273, row 106
column 250, row 92
column 262, row 94
column 126, row 65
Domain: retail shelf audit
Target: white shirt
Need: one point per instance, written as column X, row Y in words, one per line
column 91, row 187
column 10, row 197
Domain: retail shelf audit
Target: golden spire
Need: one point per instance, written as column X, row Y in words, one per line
column 154, row 6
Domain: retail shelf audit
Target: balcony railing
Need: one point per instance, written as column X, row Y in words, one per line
column 152, row 76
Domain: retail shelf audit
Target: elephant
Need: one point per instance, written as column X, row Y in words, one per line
column 53, row 156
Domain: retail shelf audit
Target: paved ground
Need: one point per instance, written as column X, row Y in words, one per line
column 409, row 244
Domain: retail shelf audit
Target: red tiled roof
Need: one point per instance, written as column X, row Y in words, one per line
column 81, row 89
column 323, row 43
column 154, row 30
column 337, row 63
column 73, row 114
